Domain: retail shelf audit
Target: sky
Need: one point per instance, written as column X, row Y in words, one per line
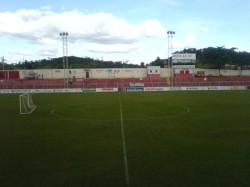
column 131, row 31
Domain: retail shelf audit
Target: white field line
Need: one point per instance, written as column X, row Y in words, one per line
column 124, row 145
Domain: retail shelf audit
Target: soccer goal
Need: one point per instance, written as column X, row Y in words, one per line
column 26, row 103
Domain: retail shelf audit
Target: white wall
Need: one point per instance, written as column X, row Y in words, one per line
column 230, row 72
column 116, row 73
column 81, row 73
column 245, row 73
column 51, row 73
column 153, row 70
column 165, row 72
column 206, row 71
column 224, row 72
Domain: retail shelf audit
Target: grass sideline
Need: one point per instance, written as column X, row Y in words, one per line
column 172, row 138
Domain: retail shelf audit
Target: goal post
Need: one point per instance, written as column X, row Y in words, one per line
column 26, row 103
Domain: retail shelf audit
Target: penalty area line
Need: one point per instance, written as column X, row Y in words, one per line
column 124, row 144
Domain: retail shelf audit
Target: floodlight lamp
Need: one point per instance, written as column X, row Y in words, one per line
column 63, row 34
column 170, row 32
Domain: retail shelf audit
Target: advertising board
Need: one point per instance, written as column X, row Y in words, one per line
column 106, row 89
column 140, row 89
column 184, row 60
column 183, row 66
column 130, row 89
column 156, row 89
column 88, row 90
column 140, row 84
column 184, row 56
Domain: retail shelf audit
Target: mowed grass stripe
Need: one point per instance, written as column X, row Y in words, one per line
column 124, row 144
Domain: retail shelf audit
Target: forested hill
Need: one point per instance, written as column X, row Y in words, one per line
column 212, row 58
column 216, row 58
column 73, row 63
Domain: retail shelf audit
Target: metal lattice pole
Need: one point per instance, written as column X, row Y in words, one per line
column 64, row 36
column 170, row 52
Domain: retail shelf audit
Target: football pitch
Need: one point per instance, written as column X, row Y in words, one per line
column 139, row 139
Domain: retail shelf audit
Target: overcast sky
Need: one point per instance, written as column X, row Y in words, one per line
column 119, row 30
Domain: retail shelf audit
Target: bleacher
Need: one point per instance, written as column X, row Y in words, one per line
column 31, row 84
column 178, row 80
column 212, row 81
column 119, row 82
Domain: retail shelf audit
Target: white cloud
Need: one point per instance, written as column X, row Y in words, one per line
column 42, row 26
column 95, row 33
column 153, row 28
column 188, row 41
column 113, row 48
column 21, row 52
column 15, row 59
column 47, row 52
column 204, row 29
column 46, row 8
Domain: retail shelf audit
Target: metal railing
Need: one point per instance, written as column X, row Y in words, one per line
column 47, row 85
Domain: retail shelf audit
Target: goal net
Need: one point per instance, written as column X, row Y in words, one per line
column 26, row 103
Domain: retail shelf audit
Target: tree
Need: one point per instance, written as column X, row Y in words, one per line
column 211, row 57
column 217, row 58
column 158, row 62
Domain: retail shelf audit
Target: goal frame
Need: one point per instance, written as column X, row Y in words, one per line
column 26, row 104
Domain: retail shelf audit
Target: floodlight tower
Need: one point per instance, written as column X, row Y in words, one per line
column 170, row 52
column 3, row 61
column 4, row 72
column 64, row 36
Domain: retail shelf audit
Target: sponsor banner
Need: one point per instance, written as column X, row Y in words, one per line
column 42, row 91
column 184, row 66
column 184, row 59
column 69, row 90
column 238, row 88
column 175, row 88
column 137, row 84
column 106, row 89
column 130, row 89
column 193, row 88
column 184, row 56
column 15, row 91
column 58, row 91
column 200, row 88
column 88, row 90
column 139, row 89
column 156, row 89
column 219, row 88
column 6, row 91
column 77, row 90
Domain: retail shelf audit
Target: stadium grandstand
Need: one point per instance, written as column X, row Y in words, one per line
column 152, row 76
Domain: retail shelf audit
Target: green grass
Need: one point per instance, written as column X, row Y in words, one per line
column 172, row 139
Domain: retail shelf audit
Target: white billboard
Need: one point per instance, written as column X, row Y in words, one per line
column 191, row 56
column 186, row 58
